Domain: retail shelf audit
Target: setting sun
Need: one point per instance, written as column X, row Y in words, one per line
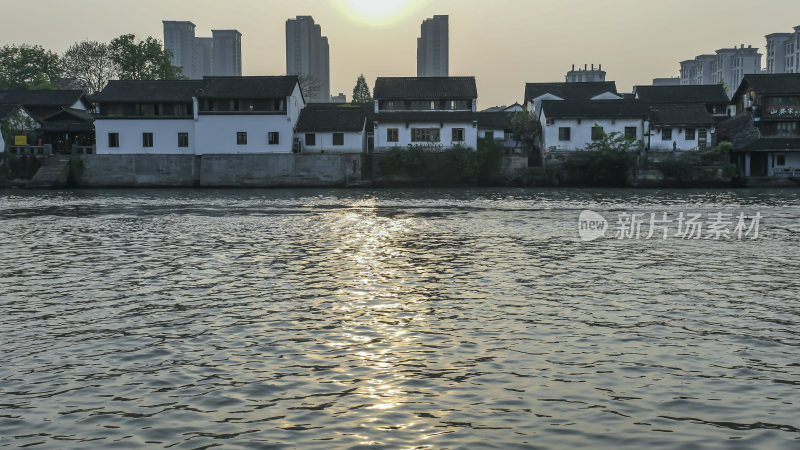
column 375, row 12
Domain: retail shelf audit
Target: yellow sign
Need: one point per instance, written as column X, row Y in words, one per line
column 20, row 140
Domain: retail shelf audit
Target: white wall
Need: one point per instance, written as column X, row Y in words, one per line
column 445, row 134
column 499, row 133
column 792, row 160
column 165, row 136
column 216, row 134
column 679, row 137
column 354, row 142
column 581, row 133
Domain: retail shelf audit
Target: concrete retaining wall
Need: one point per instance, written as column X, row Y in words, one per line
column 286, row 170
column 255, row 170
column 138, row 171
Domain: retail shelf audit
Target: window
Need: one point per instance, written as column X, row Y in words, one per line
column 241, row 138
column 690, row 134
column 550, row 121
column 311, row 139
column 274, row 138
column 565, row 134
column 781, row 160
column 113, row 140
column 183, row 139
column 597, row 133
column 630, row 133
column 666, row 134
column 458, row 134
column 338, row 138
column 392, row 135
column 489, row 135
column 425, row 135
column 147, row 139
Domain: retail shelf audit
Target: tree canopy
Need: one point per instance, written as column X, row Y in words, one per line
column 526, row 129
column 143, row 60
column 90, row 64
column 361, row 92
column 28, row 67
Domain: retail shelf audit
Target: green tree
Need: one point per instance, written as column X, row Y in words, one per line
column 28, row 67
column 143, row 60
column 361, row 93
column 526, row 129
column 90, row 64
column 606, row 161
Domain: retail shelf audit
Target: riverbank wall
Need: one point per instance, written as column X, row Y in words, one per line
column 253, row 170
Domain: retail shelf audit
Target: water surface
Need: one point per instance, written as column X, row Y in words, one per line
column 402, row 318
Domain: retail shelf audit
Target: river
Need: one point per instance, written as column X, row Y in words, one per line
column 472, row 318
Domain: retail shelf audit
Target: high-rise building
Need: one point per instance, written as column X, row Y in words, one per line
column 433, row 48
column 586, row 75
column 203, row 56
column 180, row 41
column 783, row 52
column 308, row 56
column 727, row 65
column 227, row 52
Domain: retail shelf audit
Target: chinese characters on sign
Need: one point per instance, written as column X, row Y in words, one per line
column 647, row 226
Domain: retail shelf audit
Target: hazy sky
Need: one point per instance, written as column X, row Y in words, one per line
column 504, row 43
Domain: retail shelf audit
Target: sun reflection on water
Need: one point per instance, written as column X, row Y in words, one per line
column 379, row 312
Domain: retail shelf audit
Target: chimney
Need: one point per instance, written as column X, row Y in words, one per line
column 600, row 68
column 592, row 66
column 573, row 67
column 585, row 67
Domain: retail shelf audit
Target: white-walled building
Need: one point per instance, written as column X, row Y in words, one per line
column 434, row 113
column 218, row 115
column 569, row 126
column 340, row 129
column 680, row 127
column 536, row 93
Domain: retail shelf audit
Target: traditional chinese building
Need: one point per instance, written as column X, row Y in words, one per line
column 766, row 141
column 434, row 113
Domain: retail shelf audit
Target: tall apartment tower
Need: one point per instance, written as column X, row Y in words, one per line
column 227, row 52
column 203, row 57
column 308, row 55
column 180, row 40
column 433, row 48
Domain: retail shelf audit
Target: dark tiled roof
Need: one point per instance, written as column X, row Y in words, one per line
column 180, row 91
column 569, row 91
column 70, row 114
column 772, row 144
column 424, row 88
column 665, row 95
column 247, row 87
column 598, row 109
column 498, row 119
column 8, row 109
column 687, row 115
column 331, row 119
column 64, row 98
column 771, row 84
column 431, row 116
column 132, row 91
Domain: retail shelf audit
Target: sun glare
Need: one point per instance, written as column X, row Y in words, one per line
column 376, row 11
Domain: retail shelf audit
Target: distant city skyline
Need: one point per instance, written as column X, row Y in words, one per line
column 503, row 44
